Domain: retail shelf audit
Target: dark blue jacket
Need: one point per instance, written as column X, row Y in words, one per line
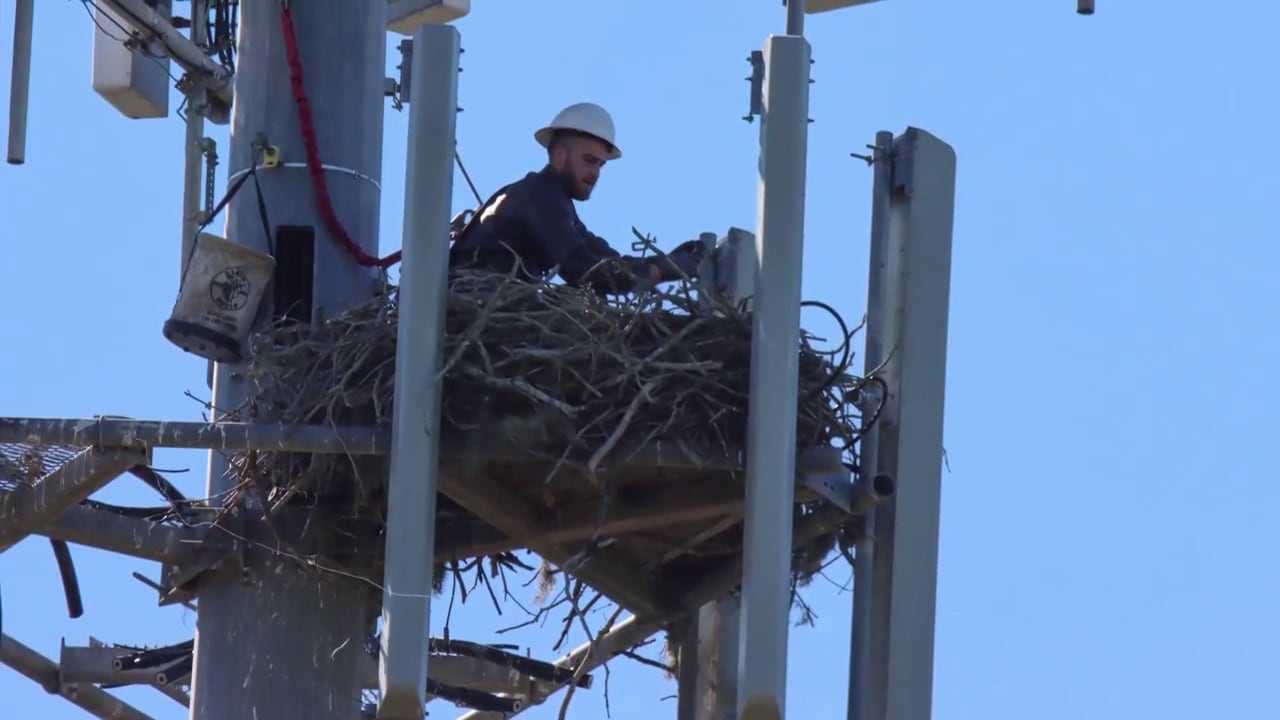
column 535, row 217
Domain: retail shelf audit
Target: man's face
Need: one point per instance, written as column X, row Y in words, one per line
column 579, row 160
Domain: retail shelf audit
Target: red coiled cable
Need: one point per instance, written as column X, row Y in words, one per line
column 316, row 168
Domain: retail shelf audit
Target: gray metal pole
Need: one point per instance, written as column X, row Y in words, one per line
column 908, row 306
column 20, row 84
column 861, row 671
column 415, row 439
column 718, row 659
column 689, row 668
column 277, row 641
column 715, row 686
column 771, row 437
column 193, row 163
column 795, row 17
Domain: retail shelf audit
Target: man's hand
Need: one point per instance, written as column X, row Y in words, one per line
column 683, row 261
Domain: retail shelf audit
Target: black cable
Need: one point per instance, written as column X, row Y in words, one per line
column 226, row 199
column 845, row 348
column 156, row 513
column 262, row 210
column 157, row 482
column 70, row 583
column 474, row 699
column 467, row 176
column 537, row 669
column 176, row 671
column 152, row 657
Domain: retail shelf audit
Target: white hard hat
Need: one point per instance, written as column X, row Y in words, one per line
column 584, row 117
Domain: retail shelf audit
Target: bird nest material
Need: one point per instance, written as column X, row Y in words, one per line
column 561, row 373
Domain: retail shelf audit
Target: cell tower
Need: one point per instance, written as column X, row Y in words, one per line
column 697, row 534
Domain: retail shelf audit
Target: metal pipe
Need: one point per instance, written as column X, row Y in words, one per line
column 795, row 17
column 20, row 85
column 117, row 432
column 771, row 422
column 124, row 432
column 688, row 669
column 420, row 335
column 193, row 167
column 870, row 492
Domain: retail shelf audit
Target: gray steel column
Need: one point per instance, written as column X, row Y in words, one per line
column 415, row 440
column 282, row 642
column 193, row 164
column 771, row 438
column 862, row 675
column 715, row 687
column 20, row 78
column 689, row 668
column 891, row 668
column 718, row 639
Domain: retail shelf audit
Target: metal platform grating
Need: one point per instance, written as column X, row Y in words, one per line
column 23, row 464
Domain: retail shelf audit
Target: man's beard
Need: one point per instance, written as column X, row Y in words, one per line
column 574, row 189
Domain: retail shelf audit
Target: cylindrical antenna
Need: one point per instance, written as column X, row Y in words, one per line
column 1084, row 7
column 19, row 88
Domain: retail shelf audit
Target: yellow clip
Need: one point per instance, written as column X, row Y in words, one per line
column 270, row 156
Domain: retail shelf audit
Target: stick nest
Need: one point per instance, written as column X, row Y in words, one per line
column 561, row 373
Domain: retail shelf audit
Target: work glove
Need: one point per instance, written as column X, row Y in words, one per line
column 684, row 261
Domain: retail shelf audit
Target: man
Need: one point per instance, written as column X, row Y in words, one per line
column 533, row 220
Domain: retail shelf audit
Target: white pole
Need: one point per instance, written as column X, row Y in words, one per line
column 771, row 432
column 415, row 440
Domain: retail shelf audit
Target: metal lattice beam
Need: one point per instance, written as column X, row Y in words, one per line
column 115, row 432
column 45, row 672
column 27, row 508
column 125, row 535
column 96, row 664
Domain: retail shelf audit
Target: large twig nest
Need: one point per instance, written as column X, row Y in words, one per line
column 553, row 369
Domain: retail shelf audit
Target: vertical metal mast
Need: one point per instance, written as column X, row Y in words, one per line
column 276, row 641
column 771, row 437
column 909, row 287
column 20, row 80
column 415, row 443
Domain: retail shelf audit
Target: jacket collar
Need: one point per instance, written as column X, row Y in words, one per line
column 549, row 175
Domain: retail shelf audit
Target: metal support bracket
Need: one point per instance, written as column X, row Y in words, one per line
column 93, row 700
column 270, row 156
column 755, row 98
column 405, row 85
column 217, row 79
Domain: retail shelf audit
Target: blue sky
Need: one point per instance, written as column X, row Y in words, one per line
column 1104, row 545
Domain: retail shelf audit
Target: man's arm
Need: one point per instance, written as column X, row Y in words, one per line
column 607, row 270
column 582, row 257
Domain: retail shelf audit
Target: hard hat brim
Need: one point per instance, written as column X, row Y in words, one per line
column 543, row 137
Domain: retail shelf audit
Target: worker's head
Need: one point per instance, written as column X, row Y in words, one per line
column 579, row 141
column 579, row 158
